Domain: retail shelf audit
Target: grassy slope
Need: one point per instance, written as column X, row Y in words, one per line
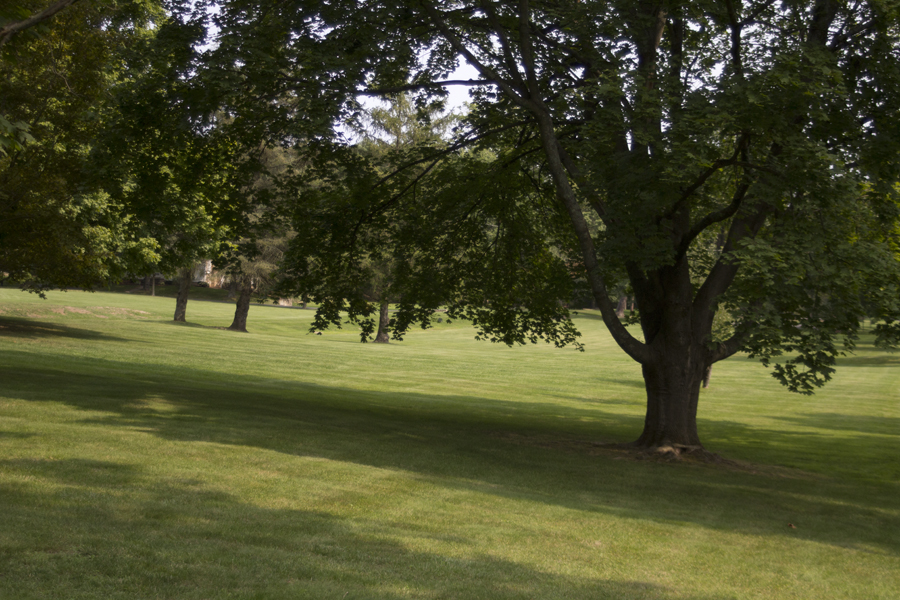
column 142, row 459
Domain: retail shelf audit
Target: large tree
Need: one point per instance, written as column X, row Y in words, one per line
column 167, row 159
column 740, row 154
column 58, row 227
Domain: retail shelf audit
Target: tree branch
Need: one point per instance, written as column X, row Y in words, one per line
column 449, row 149
column 714, row 217
column 508, row 56
column 751, row 18
column 735, row 27
column 709, row 172
column 7, row 32
column 725, row 270
column 485, row 71
column 728, row 348
column 423, row 86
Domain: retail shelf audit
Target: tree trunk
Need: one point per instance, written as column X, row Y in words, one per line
column 673, row 391
column 620, row 307
column 384, row 320
column 243, row 307
column 184, row 286
column 677, row 330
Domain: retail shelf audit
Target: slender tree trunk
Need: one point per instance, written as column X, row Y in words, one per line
column 184, row 286
column 242, row 309
column 153, row 285
column 620, row 307
column 384, row 320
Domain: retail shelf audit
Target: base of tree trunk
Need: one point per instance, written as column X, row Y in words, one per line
column 181, row 300
column 676, row 452
column 384, row 320
column 241, row 310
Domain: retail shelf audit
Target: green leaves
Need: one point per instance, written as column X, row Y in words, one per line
column 14, row 136
column 58, row 226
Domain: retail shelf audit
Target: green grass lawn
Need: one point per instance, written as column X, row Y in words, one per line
column 144, row 459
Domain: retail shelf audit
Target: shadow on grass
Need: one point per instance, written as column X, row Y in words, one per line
column 32, row 330
column 181, row 539
column 188, row 324
column 16, row 435
column 539, row 452
column 839, row 422
column 856, row 360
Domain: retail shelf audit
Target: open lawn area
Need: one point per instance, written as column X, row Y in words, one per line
column 144, row 459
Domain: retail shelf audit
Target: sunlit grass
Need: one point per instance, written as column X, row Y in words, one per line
column 144, row 459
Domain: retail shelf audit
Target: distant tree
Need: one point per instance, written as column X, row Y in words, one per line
column 168, row 159
column 255, row 275
column 388, row 136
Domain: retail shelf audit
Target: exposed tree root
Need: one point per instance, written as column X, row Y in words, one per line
column 667, row 452
column 674, row 454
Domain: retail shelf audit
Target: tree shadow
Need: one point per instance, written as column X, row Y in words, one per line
column 16, row 435
column 181, row 537
column 187, row 324
column 838, row 422
column 33, row 330
column 539, row 451
column 861, row 360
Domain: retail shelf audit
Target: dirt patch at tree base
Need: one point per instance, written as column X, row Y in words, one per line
column 669, row 454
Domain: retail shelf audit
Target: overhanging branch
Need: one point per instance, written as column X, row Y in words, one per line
column 10, row 30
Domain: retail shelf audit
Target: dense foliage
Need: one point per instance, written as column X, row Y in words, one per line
column 58, row 226
column 737, row 158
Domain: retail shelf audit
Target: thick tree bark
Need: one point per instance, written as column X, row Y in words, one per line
column 384, row 319
column 243, row 308
column 185, row 279
column 677, row 330
column 673, row 392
